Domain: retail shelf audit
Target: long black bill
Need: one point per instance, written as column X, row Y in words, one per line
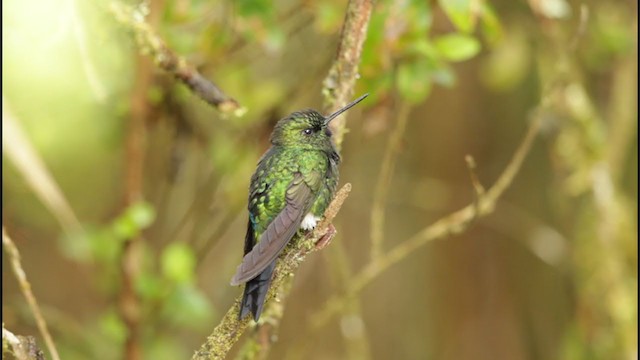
column 347, row 107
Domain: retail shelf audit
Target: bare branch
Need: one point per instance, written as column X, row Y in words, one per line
column 152, row 44
column 451, row 224
column 25, row 287
column 475, row 182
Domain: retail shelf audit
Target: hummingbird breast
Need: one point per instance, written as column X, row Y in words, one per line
column 276, row 171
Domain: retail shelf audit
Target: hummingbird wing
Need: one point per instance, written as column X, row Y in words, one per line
column 283, row 227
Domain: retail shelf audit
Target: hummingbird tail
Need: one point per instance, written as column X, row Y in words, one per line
column 255, row 292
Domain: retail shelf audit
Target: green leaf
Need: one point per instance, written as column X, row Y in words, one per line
column 149, row 286
column 378, row 86
column 424, row 47
column 419, row 16
column 183, row 42
column 155, row 95
column 509, row 63
column 275, row 38
column 178, row 263
column 457, row 47
column 414, row 81
column 112, row 327
column 491, row 27
column 461, row 13
column 78, row 245
column 261, row 8
column 142, row 214
column 444, row 76
column 166, row 347
column 375, row 40
column 135, row 218
column 106, row 247
column 187, row 306
column 328, row 16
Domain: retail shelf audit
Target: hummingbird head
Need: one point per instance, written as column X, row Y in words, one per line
column 307, row 129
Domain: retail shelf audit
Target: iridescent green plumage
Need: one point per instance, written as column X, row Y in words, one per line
column 293, row 184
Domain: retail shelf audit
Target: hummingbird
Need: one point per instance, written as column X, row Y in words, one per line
column 293, row 183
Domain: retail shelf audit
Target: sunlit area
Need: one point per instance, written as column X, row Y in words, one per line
column 175, row 185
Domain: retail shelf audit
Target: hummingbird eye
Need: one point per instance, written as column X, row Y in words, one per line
column 308, row 131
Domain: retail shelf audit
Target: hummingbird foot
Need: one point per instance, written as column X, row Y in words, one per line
column 326, row 238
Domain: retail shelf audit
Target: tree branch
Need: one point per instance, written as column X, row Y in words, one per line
column 135, row 142
column 451, row 224
column 338, row 89
column 153, row 45
column 227, row 333
column 339, row 83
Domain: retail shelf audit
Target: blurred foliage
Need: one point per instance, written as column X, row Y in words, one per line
column 556, row 277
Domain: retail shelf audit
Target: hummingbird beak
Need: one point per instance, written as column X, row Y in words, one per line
column 328, row 119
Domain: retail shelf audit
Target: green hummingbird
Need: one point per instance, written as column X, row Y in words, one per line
column 293, row 184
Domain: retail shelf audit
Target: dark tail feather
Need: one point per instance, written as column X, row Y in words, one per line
column 255, row 291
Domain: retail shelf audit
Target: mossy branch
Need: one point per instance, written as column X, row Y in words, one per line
column 227, row 333
column 339, row 83
column 152, row 44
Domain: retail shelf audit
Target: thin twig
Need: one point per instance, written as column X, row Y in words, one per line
column 356, row 339
column 384, row 180
column 622, row 116
column 22, row 154
column 582, row 28
column 25, row 287
column 152, row 44
column 475, row 181
column 129, row 303
column 227, row 333
column 451, row 224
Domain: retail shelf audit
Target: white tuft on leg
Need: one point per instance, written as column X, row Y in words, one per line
column 309, row 222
